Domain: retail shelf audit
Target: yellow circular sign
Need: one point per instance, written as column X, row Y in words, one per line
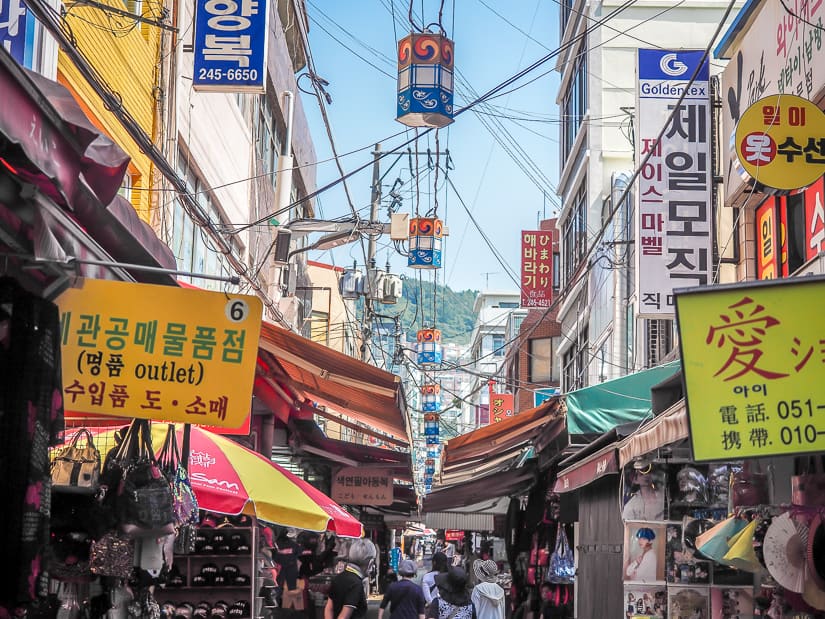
column 780, row 141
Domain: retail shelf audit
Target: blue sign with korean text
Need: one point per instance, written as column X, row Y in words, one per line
column 660, row 64
column 230, row 45
column 13, row 28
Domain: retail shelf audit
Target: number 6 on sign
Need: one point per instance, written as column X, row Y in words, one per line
column 237, row 310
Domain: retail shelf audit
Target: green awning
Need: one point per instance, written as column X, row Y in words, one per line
column 599, row 408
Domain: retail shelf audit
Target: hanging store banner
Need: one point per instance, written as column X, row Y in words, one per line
column 767, row 257
column 752, row 358
column 159, row 352
column 230, row 45
column 536, row 268
column 673, row 221
column 362, row 486
column 770, row 51
column 502, row 407
column 779, row 141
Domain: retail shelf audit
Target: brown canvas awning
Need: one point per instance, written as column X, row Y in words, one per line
column 354, row 388
column 669, row 427
column 500, row 484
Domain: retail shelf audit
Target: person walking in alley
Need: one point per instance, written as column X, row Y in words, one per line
column 487, row 596
column 405, row 598
column 453, row 601
column 347, row 595
column 440, row 566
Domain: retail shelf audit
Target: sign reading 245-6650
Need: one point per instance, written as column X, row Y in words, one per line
column 230, row 45
column 159, row 352
column 752, row 359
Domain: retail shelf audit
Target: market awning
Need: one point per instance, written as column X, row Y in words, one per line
column 500, row 484
column 669, row 427
column 588, row 470
column 354, row 388
column 479, row 517
column 498, row 438
column 598, row 408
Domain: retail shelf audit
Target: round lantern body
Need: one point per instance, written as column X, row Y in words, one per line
column 426, row 235
column 425, row 80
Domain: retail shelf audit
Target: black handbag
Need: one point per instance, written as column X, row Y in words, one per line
column 144, row 498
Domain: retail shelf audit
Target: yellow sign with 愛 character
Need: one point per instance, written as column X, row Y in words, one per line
column 159, row 352
column 753, row 357
column 780, row 141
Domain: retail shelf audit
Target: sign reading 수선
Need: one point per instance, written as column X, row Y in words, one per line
column 752, row 358
column 780, row 141
column 159, row 352
column 362, row 486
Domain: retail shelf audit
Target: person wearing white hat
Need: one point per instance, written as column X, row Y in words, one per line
column 487, row 596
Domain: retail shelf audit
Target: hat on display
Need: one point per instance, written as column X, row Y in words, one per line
column 785, row 549
column 230, row 569
column 407, row 568
column 485, row 570
column 692, row 528
column 693, row 485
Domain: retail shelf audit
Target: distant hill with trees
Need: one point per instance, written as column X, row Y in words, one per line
column 453, row 310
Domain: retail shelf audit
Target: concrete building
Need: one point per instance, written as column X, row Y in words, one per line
column 601, row 336
column 330, row 319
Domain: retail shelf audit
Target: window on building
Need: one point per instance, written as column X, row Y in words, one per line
column 319, row 327
column 126, row 186
column 541, row 360
column 575, row 363
column 574, row 233
column 267, row 137
column 498, row 345
column 574, row 104
column 566, row 12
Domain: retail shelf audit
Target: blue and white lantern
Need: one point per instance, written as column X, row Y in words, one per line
column 426, row 236
column 431, row 398
column 425, row 80
column 428, row 349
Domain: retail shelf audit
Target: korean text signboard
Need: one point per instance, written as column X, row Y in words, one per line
column 536, row 268
column 752, row 358
column 502, row 407
column 673, row 220
column 159, row 352
column 230, row 45
column 362, row 486
column 780, row 142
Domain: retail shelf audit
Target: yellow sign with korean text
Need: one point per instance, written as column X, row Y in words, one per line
column 362, row 486
column 780, row 141
column 753, row 357
column 159, row 352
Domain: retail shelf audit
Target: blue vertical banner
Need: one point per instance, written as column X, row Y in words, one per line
column 230, row 45
column 13, row 27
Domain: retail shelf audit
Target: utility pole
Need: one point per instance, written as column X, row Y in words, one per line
column 366, row 320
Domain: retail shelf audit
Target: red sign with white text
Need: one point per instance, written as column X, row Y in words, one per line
column 536, row 268
column 814, row 220
column 502, row 407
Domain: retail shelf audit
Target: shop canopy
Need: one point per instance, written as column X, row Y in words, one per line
column 597, row 409
column 351, row 387
column 488, row 488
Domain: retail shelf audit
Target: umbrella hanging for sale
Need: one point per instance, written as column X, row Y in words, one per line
column 230, row 479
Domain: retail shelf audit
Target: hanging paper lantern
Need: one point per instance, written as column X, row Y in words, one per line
column 431, row 398
column 429, row 466
column 432, row 451
column 429, row 352
column 425, row 80
column 431, row 440
column 425, row 243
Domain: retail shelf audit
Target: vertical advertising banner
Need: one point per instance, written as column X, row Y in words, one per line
column 673, row 221
column 230, row 45
column 766, row 242
column 502, row 407
column 536, row 268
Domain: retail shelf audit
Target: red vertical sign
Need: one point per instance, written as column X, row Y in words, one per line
column 766, row 241
column 536, row 268
column 502, row 407
column 814, row 220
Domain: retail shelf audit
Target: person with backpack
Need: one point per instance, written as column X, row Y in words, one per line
column 453, row 601
column 404, row 597
column 347, row 595
column 487, row 596
column 440, row 565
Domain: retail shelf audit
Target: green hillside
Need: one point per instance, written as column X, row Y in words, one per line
column 453, row 310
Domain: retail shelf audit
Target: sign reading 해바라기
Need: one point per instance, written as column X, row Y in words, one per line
column 536, row 268
column 673, row 241
column 780, row 141
column 362, row 486
column 159, row 352
column 230, row 45
column 752, row 358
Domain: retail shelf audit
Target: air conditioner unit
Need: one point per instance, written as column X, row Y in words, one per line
column 393, row 289
column 282, row 243
column 658, row 341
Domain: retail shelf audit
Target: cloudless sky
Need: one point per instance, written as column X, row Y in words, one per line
column 488, row 50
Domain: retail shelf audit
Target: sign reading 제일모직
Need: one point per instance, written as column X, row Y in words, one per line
column 159, row 352
column 752, row 357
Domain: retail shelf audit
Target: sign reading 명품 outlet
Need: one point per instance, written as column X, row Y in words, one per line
column 159, row 352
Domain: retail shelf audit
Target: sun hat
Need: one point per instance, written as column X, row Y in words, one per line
column 785, row 549
column 485, row 571
column 452, row 586
column 407, row 568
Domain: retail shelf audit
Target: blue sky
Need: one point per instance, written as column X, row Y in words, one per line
column 488, row 50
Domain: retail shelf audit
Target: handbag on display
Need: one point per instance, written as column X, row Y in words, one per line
column 749, row 486
column 185, row 504
column 112, row 555
column 562, row 562
column 75, row 468
column 144, row 496
column 808, row 485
